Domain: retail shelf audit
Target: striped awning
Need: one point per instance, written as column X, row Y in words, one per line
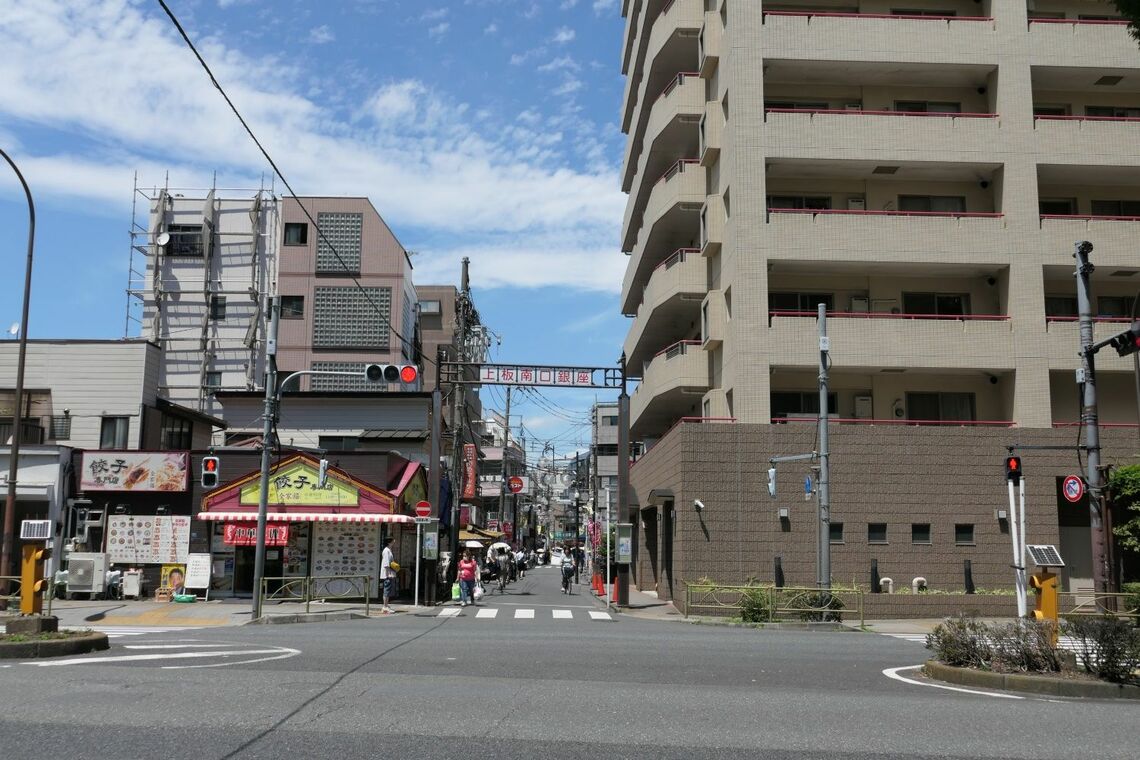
column 305, row 517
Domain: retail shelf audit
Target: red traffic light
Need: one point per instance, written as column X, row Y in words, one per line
column 1013, row 468
column 408, row 373
column 210, row 464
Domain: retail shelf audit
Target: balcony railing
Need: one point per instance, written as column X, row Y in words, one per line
column 677, row 168
column 1092, row 217
column 1100, row 21
column 893, row 315
column 1078, row 423
column 676, row 82
column 896, row 423
column 850, row 212
column 861, row 112
column 677, row 257
column 680, row 348
column 1117, row 320
column 1048, row 117
column 901, row 17
column 30, row 433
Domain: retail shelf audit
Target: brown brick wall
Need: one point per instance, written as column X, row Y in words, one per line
column 894, row 474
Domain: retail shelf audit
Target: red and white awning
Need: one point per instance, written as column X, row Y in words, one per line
column 305, row 517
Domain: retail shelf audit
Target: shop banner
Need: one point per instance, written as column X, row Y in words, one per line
column 245, row 534
column 135, row 471
column 148, row 539
column 296, row 485
column 469, row 479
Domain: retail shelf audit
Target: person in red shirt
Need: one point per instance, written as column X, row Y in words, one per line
column 467, row 570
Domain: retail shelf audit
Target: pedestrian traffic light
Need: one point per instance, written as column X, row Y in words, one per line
column 1127, row 342
column 392, row 373
column 772, row 482
column 1013, row 468
column 210, row 467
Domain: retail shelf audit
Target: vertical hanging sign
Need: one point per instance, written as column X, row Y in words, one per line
column 468, row 471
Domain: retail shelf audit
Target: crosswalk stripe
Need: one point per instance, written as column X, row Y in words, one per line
column 114, row 632
column 563, row 614
column 450, row 612
column 596, row 615
column 524, row 614
column 491, row 613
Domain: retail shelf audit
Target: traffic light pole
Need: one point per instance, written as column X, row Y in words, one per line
column 1095, row 478
column 824, row 580
column 266, row 450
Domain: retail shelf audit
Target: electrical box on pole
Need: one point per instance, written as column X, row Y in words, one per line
column 772, row 482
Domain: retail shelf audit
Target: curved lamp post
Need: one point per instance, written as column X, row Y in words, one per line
column 6, row 556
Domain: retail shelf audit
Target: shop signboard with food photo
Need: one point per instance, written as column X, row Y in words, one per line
column 139, row 471
column 148, row 539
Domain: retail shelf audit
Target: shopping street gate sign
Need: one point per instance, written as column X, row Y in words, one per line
column 478, row 373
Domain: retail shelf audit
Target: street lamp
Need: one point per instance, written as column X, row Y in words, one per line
column 6, row 554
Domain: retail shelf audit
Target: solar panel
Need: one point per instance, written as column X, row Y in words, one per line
column 35, row 530
column 1045, row 555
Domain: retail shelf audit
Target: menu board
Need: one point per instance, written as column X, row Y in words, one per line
column 148, row 539
column 347, row 549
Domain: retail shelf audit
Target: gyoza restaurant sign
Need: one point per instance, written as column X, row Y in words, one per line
column 296, row 485
column 245, row 534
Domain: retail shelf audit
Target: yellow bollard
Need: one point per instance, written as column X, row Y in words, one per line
column 32, row 579
column 1045, row 587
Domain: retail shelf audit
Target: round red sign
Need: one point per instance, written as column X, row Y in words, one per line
column 423, row 509
column 515, row 484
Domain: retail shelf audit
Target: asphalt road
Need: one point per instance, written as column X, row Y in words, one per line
column 553, row 686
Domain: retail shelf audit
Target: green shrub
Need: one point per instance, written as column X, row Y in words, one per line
column 821, row 607
column 1025, row 647
column 1132, row 600
column 1107, row 647
column 962, row 642
column 756, row 605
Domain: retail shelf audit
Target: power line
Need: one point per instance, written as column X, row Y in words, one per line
column 375, row 307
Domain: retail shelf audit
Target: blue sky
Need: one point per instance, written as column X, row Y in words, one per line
column 480, row 128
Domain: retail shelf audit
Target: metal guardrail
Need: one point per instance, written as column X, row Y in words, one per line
column 1090, row 603
column 777, row 604
column 317, row 588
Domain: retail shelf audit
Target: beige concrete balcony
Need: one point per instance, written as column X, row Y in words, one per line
column 824, row 36
column 1087, row 139
column 711, row 130
column 670, row 47
column 712, row 226
column 630, row 11
column 1081, row 42
column 1063, row 341
column 893, row 340
column 1114, row 238
column 683, row 184
column 812, row 133
column 710, row 41
column 670, row 304
column 671, row 387
column 671, row 132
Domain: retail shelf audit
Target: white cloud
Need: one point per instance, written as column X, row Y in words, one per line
column 567, row 4
column 604, row 6
column 563, row 35
column 434, row 15
column 571, row 85
column 321, row 35
column 439, row 29
column 491, row 28
column 565, row 62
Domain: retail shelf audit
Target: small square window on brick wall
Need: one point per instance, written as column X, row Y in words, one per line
column 342, row 232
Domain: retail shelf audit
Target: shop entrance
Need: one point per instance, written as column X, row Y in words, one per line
column 244, row 564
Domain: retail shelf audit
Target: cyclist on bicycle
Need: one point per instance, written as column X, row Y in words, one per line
column 567, row 569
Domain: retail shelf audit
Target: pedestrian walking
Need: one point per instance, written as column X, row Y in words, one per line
column 468, row 568
column 388, row 568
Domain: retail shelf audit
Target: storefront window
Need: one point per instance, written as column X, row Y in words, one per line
column 113, row 432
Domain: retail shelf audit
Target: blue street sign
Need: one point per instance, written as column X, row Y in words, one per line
column 807, row 485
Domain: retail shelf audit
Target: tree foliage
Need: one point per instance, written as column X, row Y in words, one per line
column 1125, row 488
column 1130, row 9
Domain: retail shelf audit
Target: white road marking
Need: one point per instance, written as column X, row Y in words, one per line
column 286, row 653
column 596, row 615
column 524, row 614
column 563, row 614
column 118, row 631
column 280, row 651
column 488, row 613
column 175, row 646
column 450, row 612
column 894, row 673
column 918, row 638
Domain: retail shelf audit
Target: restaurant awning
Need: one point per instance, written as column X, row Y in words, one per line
column 306, row 517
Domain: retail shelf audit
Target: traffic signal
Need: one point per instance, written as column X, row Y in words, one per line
column 392, row 373
column 1127, row 342
column 772, row 482
column 1013, row 468
column 210, row 468
column 32, row 579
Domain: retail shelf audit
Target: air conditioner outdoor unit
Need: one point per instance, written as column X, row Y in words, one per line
column 856, row 204
column 859, row 304
column 86, row 573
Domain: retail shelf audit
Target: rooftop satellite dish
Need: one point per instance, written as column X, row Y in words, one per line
column 162, row 239
column 14, row 330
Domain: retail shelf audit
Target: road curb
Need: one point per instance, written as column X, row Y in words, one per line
column 310, row 617
column 91, row 641
column 776, row 626
column 1034, row 684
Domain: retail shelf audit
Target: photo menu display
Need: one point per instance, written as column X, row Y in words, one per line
column 148, row 539
column 347, row 549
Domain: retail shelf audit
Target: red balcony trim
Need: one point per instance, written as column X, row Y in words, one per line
column 892, row 315
column 1094, row 21
column 1078, row 423
column 676, row 82
column 965, row 214
column 1086, row 118
column 809, row 14
column 677, row 168
column 1088, row 217
column 674, row 345
column 1113, row 320
column 677, row 256
column 911, row 423
column 861, row 112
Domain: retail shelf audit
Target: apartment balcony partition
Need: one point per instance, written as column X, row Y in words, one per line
column 681, row 188
column 870, row 339
column 671, row 131
column 672, row 384
column 710, row 41
column 711, row 130
column 670, row 304
column 1081, row 42
column 837, row 36
column 670, row 29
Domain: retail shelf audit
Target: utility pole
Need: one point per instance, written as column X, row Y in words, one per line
column 270, row 415
column 624, row 513
column 1095, row 478
column 462, row 304
column 824, row 579
column 506, row 470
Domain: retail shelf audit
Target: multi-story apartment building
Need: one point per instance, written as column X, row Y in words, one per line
column 922, row 169
column 604, row 447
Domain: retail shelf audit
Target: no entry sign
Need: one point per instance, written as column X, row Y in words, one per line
column 423, row 509
column 1073, row 488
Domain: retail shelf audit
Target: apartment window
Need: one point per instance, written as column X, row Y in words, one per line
column 936, row 407
column 1057, row 206
column 1114, row 306
column 947, row 204
column 927, row 106
column 821, row 202
column 940, row 304
column 213, row 380
column 113, row 432
column 60, row 427
column 610, row 420
column 217, row 307
column 185, row 240
column 800, row 301
column 1046, row 14
column 176, row 433
column 296, row 233
column 1117, row 112
column 1098, row 17
column 338, row 442
column 803, row 105
column 349, row 317
column 431, row 307
column 796, row 403
column 1047, row 110
column 921, row 12
column 920, row 533
column 340, row 232
column 835, row 532
column 964, row 533
column 1116, row 208
column 1061, row 306
column 292, row 307
column 876, row 533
